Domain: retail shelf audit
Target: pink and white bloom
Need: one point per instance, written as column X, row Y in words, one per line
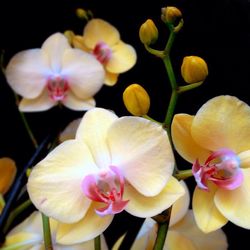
column 28, row 235
column 217, row 142
column 54, row 74
column 113, row 164
column 104, row 41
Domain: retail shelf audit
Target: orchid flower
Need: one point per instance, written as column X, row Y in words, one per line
column 113, row 164
column 103, row 40
column 183, row 233
column 7, row 175
column 54, row 74
column 28, row 235
column 217, row 142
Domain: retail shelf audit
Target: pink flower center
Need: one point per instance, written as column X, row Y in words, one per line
column 57, row 88
column 102, row 52
column 106, row 187
column 222, row 167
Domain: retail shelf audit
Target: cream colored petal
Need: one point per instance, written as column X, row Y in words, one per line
column 223, row 122
column 55, row 46
column 54, row 185
column 98, row 30
column 86, row 229
column 27, row 72
column 70, row 131
column 187, row 228
column 41, row 103
column 180, row 207
column 141, row 149
column 123, row 58
column 7, row 173
column 74, row 103
column 142, row 206
column 235, row 204
column 183, row 141
column 244, row 159
column 83, row 72
column 93, row 131
column 207, row 216
column 88, row 245
column 110, row 78
column 177, row 241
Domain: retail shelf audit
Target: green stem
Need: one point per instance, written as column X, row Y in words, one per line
column 184, row 174
column 26, row 124
column 46, row 233
column 188, row 87
column 151, row 119
column 98, row 243
column 155, row 52
column 163, row 223
column 15, row 213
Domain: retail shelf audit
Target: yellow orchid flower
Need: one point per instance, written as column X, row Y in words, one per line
column 113, row 164
column 103, row 40
column 183, row 233
column 54, row 74
column 217, row 141
column 28, row 235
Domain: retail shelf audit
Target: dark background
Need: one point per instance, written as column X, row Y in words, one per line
column 217, row 31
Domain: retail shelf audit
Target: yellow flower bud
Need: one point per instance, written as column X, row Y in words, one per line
column 82, row 14
column 148, row 32
column 194, row 69
column 170, row 14
column 136, row 100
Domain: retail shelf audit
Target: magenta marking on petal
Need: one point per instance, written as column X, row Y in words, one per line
column 102, row 52
column 57, row 87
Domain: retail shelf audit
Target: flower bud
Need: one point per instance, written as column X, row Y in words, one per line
column 82, row 14
column 170, row 14
column 136, row 100
column 148, row 32
column 194, row 69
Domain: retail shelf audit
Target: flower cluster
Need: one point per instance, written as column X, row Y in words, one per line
column 102, row 165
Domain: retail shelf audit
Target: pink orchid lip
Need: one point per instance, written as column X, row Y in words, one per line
column 57, row 88
column 106, row 187
column 222, row 167
column 102, row 52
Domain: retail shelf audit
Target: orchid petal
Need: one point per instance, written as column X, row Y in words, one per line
column 235, row 204
column 98, row 30
column 142, row 206
column 41, row 103
column 70, row 131
column 27, row 72
column 244, row 159
column 180, row 207
column 123, row 58
column 110, row 78
column 55, row 46
column 93, row 131
column 86, row 229
column 7, row 174
column 207, row 216
column 139, row 146
column 223, row 122
column 183, row 141
column 83, row 72
column 74, row 103
column 177, row 241
column 188, row 229
column 58, row 178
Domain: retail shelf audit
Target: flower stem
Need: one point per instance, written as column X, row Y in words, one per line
column 188, row 87
column 15, row 213
column 46, row 233
column 184, row 174
column 98, row 242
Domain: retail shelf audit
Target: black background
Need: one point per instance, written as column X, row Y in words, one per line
column 217, row 31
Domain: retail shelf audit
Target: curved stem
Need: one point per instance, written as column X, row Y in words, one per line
column 98, row 242
column 184, row 174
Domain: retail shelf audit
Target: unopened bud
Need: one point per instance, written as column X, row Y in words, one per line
column 148, row 32
column 82, row 14
column 170, row 14
column 136, row 100
column 194, row 69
